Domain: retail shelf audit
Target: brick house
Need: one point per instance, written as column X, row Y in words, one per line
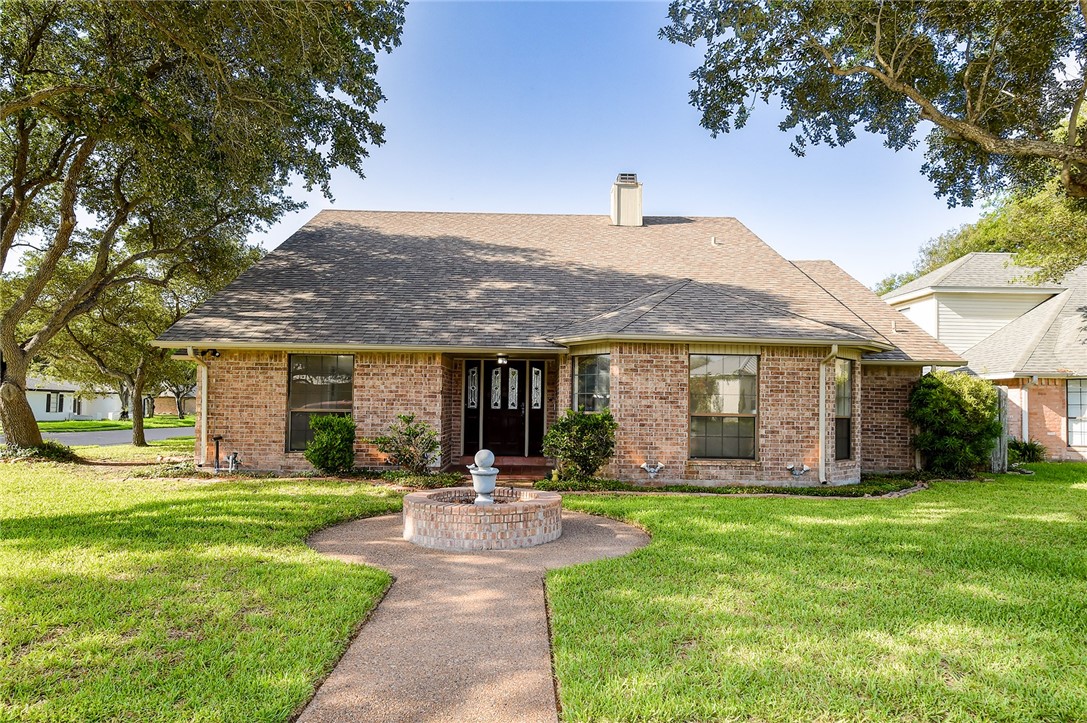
column 1030, row 339
column 718, row 358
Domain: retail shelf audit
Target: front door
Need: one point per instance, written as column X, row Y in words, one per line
column 504, row 402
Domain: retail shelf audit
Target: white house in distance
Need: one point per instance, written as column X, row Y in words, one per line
column 1029, row 339
column 55, row 401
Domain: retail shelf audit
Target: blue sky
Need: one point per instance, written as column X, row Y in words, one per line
column 534, row 107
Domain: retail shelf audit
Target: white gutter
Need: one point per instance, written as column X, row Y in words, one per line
column 823, row 412
column 202, row 449
column 1025, row 406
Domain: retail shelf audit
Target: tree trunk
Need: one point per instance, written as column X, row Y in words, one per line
column 20, row 427
column 124, row 394
column 138, row 440
column 180, row 401
column 150, row 406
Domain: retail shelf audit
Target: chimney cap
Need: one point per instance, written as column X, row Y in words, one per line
column 627, row 178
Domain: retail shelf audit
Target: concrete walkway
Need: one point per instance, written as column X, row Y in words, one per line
column 114, row 436
column 459, row 636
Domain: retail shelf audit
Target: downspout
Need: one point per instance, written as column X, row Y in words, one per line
column 1025, row 407
column 202, row 365
column 823, row 412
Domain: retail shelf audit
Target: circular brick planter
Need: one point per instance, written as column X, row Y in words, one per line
column 446, row 519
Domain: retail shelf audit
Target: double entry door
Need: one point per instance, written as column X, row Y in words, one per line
column 504, row 406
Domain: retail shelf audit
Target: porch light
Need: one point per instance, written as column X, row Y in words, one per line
column 503, row 358
column 653, row 469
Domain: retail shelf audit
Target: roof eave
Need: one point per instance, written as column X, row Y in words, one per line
column 288, row 346
column 865, row 344
column 915, row 362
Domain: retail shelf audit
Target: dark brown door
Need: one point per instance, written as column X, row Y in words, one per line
column 503, row 405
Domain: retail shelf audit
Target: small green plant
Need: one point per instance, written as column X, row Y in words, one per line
column 1020, row 452
column 957, row 422
column 409, row 443
column 582, row 442
column 332, row 449
column 49, row 451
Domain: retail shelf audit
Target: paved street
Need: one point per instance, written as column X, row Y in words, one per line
column 117, row 436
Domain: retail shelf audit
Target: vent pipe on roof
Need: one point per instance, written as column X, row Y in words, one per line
column 626, row 200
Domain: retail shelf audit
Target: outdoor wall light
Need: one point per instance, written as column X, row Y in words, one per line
column 652, row 469
column 503, row 358
column 210, row 352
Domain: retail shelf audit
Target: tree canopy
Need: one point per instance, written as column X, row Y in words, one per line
column 142, row 139
column 1043, row 230
column 1001, row 81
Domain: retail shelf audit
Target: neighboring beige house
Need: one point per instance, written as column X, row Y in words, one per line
column 1030, row 340
column 720, row 360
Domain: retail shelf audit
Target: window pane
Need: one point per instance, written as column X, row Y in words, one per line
column 724, row 384
column 1077, row 396
column 843, row 388
column 321, row 382
column 318, row 383
column 842, row 438
column 593, row 382
column 723, row 437
column 1077, row 432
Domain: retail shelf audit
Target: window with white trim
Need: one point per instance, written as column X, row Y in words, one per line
column 724, row 397
column 317, row 384
column 843, row 409
column 1077, row 412
column 592, row 382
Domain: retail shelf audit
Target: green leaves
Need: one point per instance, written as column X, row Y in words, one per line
column 582, row 442
column 332, row 449
column 991, row 75
column 957, row 422
column 409, row 443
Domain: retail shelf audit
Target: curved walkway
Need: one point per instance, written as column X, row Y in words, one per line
column 459, row 636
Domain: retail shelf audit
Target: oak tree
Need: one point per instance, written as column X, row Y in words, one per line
column 137, row 137
column 1000, row 81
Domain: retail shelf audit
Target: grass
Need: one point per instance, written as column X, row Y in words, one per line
column 159, row 421
column 175, row 449
column 965, row 602
column 170, row 600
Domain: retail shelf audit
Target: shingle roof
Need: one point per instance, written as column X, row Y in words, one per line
column 975, row 270
column 1049, row 340
column 909, row 340
column 41, row 384
column 512, row 281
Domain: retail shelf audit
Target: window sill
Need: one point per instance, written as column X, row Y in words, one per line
column 716, row 462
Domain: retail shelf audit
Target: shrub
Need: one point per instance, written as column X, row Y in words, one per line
column 332, row 449
column 958, row 423
column 49, row 451
column 409, row 444
column 582, row 442
column 1020, row 451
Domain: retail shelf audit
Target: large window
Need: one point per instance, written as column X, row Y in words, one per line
column 318, row 384
column 724, row 405
column 592, row 382
column 843, row 409
column 1077, row 412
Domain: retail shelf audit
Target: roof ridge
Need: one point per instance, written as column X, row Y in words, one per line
column 785, row 308
column 674, row 288
column 876, row 331
column 1043, row 329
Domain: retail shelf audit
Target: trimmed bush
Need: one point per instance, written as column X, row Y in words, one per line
column 1021, row 452
column 332, row 449
column 957, row 422
column 430, row 481
column 582, row 442
column 409, row 443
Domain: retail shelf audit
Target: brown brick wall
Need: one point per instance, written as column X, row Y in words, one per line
column 1047, row 422
column 886, row 435
column 247, row 403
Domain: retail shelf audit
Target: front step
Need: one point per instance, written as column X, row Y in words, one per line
column 513, row 468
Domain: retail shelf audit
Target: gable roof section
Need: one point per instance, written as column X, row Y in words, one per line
column 693, row 310
column 975, row 270
column 364, row 279
column 908, row 340
column 1049, row 340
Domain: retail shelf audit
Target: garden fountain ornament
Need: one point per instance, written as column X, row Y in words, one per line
column 484, row 477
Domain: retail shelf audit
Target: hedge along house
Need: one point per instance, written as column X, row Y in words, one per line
column 719, row 359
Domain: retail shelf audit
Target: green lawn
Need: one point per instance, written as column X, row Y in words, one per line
column 965, row 602
column 174, row 449
column 160, row 421
column 155, row 600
